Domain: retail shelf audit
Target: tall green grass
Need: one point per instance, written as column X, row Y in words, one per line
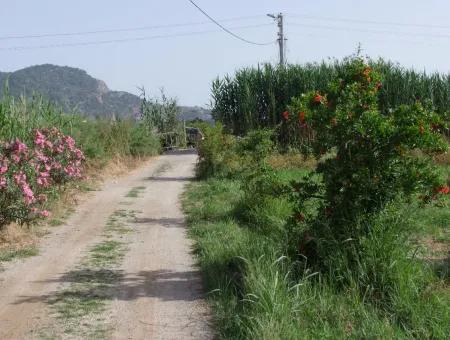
column 100, row 139
column 255, row 97
column 268, row 275
column 257, row 291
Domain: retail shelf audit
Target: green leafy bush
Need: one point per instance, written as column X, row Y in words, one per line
column 372, row 164
column 38, row 154
column 255, row 97
column 143, row 142
column 216, row 153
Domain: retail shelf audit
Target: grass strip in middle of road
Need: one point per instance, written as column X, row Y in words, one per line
column 79, row 307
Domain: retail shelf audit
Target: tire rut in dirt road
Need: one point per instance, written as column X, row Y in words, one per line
column 161, row 292
column 158, row 294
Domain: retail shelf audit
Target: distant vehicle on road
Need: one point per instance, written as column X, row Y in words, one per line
column 193, row 136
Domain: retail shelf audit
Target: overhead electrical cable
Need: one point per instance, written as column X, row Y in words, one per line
column 102, row 42
column 118, row 30
column 227, row 30
column 413, row 34
column 361, row 21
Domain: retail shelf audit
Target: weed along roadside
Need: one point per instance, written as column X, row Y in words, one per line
column 350, row 240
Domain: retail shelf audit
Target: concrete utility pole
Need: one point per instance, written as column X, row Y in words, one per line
column 281, row 39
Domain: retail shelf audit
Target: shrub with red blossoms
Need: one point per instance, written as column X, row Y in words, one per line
column 371, row 160
column 29, row 173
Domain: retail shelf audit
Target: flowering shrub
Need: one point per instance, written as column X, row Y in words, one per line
column 27, row 174
column 56, row 159
column 371, row 159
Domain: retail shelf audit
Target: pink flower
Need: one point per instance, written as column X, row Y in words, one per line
column 28, row 194
column 3, row 182
column 44, row 174
column 79, row 154
column 41, row 157
column 44, row 213
column 43, row 182
column 19, row 178
column 19, row 147
column 3, row 168
column 39, row 138
column 48, row 144
column 59, row 148
column 70, row 142
column 56, row 165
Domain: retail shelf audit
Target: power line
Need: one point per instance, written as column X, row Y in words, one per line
column 374, row 40
column 375, row 22
column 102, row 42
column 132, row 29
column 428, row 35
column 226, row 29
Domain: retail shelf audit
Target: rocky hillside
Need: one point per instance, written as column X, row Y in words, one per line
column 76, row 91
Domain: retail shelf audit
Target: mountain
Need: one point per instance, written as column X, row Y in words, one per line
column 76, row 91
column 188, row 113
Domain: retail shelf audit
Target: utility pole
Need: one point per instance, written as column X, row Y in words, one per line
column 281, row 39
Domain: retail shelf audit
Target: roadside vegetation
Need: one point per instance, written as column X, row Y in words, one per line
column 47, row 156
column 254, row 97
column 340, row 230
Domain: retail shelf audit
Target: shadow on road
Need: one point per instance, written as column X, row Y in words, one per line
column 164, row 285
column 164, row 221
column 170, row 179
column 181, row 152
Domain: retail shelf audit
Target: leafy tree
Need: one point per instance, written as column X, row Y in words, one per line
column 161, row 113
column 368, row 159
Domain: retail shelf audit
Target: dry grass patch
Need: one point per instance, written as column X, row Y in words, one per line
column 291, row 160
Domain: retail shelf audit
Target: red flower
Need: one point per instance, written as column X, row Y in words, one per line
column 285, row 115
column 444, row 190
column 378, row 85
column 366, row 72
column 317, row 99
column 301, row 117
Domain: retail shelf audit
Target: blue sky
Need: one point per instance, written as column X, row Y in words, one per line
column 416, row 33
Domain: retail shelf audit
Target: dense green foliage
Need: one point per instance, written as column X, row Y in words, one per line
column 257, row 292
column 40, row 153
column 100, row 139
column 333, row 251
column 255, row 97
column 370, row 164
column 161, row 117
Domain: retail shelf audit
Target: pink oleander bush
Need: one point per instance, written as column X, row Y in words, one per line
column 29, row 173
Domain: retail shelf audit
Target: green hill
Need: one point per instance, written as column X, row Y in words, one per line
column 76, row 91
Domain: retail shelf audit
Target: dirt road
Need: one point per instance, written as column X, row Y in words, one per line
column 121, row 267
